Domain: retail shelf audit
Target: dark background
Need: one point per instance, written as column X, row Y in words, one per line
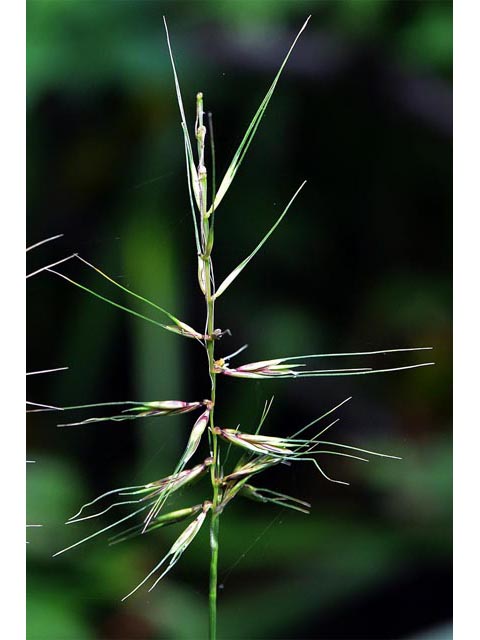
column 362, row 261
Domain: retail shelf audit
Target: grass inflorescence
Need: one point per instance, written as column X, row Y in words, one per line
column 150, row 504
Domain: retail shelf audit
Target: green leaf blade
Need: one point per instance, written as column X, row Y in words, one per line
column 238, row 270
column 251, row 130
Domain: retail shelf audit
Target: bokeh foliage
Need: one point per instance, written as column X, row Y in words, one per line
column 363, row 112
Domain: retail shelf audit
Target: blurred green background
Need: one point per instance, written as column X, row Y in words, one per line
column 363, row 261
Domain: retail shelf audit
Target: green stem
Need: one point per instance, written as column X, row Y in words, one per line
column 214, row 469
column 207, row 246
column 214, row 528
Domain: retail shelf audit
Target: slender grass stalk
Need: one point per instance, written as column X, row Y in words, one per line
column 256, row 452
column 206, row 257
